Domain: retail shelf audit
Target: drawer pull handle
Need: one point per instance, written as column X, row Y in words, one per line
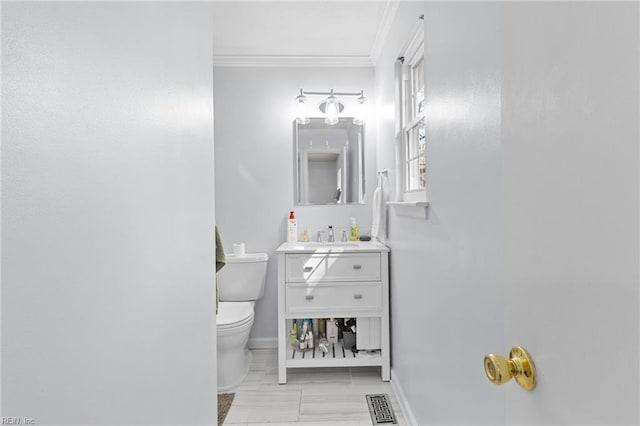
column 309, row 297
column 357, row 266
column 357, row 296
column 307, row 269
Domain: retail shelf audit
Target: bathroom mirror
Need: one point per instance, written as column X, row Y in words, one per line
column 329, row 162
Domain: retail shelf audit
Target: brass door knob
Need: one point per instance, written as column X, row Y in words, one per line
column 519, row 365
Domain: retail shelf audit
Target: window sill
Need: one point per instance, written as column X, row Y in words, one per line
column 415, row 209
column 408, row 203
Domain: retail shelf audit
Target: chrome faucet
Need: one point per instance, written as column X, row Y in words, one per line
column 319, row 239
column 331, row 238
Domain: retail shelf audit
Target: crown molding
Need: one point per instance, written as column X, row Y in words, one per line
column 388, row 16
column 353, row 61
column 291, row 61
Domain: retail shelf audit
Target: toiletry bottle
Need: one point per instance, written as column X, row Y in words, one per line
column 322, row 327
column 292, row 228
column 323, row 343
column 332, row 331
column 303, row 336
column 309, row 324
column 316, row 330
column 310, row 342
column 355, row 232
column 294, row 334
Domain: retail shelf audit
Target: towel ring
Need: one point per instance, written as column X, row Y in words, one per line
column 384, row 172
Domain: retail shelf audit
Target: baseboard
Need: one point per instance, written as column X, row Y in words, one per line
column 402, row 400
column 263, row 343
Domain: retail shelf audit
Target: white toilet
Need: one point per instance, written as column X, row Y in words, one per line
column 240, row 283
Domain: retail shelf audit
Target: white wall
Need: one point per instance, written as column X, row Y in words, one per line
column 108, row 213
column 444, row 269
column 254, row 111
column 532, row 144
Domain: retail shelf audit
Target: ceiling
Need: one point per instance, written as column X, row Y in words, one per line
column 303, row 32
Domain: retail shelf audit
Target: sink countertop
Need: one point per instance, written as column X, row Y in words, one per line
column 337, row 247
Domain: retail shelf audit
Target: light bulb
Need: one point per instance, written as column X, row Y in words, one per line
column 301, row 109
column 361, row 111
column 331, row 110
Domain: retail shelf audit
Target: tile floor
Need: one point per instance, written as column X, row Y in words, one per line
column 311, row 397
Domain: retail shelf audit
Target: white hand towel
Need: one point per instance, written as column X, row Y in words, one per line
column 378, row 220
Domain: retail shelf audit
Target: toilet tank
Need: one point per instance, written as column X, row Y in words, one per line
column 242, row 278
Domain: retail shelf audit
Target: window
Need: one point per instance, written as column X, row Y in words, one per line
column 410, row 76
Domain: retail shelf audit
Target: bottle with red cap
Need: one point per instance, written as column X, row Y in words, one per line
column 292, row 228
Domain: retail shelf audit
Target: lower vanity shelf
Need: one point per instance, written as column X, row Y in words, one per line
column 337, row 356
column 371, row 338
column 362, row 348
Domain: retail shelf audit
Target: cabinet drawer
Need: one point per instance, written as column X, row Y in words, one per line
column 333, row 296
column 307, row 267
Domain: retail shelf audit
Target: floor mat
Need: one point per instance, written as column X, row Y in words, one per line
column 224, row 403
column 381, row 410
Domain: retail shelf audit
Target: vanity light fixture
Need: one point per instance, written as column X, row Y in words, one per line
column 331, row 107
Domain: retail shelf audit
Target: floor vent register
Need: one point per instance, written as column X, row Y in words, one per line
column 381, row 410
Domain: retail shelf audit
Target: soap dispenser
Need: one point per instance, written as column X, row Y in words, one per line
column 292, row 228
column 355, row 232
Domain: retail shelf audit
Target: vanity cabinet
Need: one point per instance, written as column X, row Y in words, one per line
column 348, row 280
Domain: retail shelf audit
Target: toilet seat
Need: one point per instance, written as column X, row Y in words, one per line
column 233, row 315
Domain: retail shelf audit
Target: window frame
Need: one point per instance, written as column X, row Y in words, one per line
column 410, row 120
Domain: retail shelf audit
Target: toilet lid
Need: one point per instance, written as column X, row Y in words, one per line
column 233, row 313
